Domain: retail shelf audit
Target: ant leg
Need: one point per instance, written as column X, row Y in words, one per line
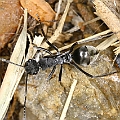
column 89, row 75
column 30, row 34
column 71, row 48
column 40, row 48
column 60, row 74
column 50, row 44
column 106, row 74
column 51, row 73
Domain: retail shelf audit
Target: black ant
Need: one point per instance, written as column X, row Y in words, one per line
column 80, row 56
column 76, row 56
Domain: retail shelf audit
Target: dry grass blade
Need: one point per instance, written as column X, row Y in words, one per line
column 68, row 100
column 13, row 73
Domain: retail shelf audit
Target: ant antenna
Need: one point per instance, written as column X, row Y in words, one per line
column 50, row 44
column 8, row 61
column 25, row 98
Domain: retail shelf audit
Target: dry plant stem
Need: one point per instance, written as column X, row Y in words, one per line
column 13, row 73
column 58, row 12
column 91, row 21
column 60, row 26
column 19, row 25
column 108, row 42
column 63, row 115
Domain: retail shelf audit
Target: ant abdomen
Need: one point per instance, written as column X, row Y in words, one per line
column 84, row 55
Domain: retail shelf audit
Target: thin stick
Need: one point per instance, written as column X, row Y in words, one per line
column 63, row 115
column 58, row 12
column 91, row 21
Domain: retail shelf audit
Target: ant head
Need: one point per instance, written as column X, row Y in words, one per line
column 31, row 67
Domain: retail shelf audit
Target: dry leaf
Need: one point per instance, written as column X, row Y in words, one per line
column 10, row 13
column 39, row 8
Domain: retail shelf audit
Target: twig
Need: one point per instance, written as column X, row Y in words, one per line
column 58, row 12
column 63, row 115
column 91, row 21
